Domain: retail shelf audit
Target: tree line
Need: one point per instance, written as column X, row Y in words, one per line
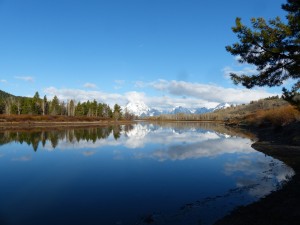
column 12, row 105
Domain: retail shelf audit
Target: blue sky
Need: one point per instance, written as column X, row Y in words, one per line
column 163, row 52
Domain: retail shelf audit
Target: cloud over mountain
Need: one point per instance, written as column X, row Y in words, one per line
column 209, row 92
column 164, row 94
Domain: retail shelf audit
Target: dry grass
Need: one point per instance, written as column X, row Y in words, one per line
column 280, row 116
column 39, row 118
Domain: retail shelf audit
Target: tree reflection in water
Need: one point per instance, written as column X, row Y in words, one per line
column 168, row 173
column 37, row 137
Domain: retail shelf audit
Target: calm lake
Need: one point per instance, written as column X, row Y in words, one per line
column 169, row 173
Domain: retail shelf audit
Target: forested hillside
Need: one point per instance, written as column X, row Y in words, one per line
column 4, row 95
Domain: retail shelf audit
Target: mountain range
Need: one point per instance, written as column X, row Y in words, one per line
column 140, row 109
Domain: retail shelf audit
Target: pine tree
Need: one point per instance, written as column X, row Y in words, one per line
column 273, row 47
column 45, row 106
column 117, row 113
column 79, row 111
column 71, row 108
column 36, row 104
column 54, row 106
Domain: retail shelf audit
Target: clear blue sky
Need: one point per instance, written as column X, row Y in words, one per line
column 159, row 51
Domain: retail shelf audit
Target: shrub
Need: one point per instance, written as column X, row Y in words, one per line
column 279, row 116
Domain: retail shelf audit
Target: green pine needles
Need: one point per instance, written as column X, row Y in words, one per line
column 274, row 48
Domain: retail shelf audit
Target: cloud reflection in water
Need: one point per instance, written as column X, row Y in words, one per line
column 266, row 173
column 168, row 144
column 143, row 154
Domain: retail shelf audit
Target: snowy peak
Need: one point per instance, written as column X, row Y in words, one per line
column 202, row 110
column 221, row 106
column 181, row 109
column 140, row 109
column 137, row 108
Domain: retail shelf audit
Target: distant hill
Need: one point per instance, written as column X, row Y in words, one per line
column 273, row 110
column 4, row 95
column 252, row 107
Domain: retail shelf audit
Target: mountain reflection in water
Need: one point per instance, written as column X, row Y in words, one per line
column 159, row 173
column 136, row 135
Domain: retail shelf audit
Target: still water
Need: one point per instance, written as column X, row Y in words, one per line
column 178, row 173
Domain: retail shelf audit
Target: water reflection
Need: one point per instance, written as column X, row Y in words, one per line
column 169, row 173
column 36, row 137
column 134, row 136
column 250, row 172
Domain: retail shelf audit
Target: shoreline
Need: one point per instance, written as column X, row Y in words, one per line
column 56, row 124
column 281, row 206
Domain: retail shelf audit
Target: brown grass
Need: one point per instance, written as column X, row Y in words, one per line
column 279, row 116
column 39, row 118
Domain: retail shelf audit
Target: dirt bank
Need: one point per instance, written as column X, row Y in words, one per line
column 51, row 124
column 283, row 206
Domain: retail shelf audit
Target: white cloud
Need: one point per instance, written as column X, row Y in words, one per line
column 173, row 93
column 25, row 78
column 209, row 92
column 90, row 85
column 3, row 81
column 139, row 84
column 134, row 96
column 83, row 95
column 161, row 84
column 239, row 68
column 247, row 70
column 120, row 81
column 167, row 102
column 119, row 84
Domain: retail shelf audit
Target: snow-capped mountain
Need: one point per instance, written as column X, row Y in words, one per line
column 202, row 110
column 137, row 108
column 154, row 112
column 221, row 106
column 140, row 109
column 181, row 109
